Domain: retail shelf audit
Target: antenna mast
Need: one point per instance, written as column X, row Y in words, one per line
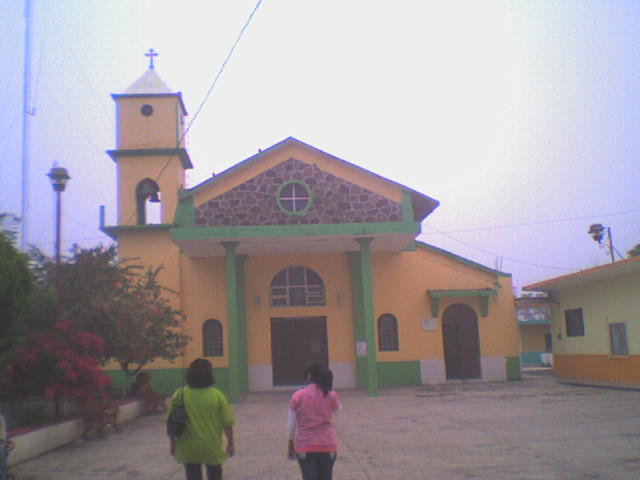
column 24, row 220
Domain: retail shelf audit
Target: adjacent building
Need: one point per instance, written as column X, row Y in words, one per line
column 533, row 314
column 595, row 323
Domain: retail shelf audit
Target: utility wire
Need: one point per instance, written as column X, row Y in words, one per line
column 215, row 81
column 515, row 260
column 208, row 94
column 539, row 222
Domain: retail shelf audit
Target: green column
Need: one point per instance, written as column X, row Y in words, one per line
column 367, row 314
column 231, row 262
column 358, row 317
column 243, row 353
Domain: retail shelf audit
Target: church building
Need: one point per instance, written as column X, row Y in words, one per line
column 294, row 255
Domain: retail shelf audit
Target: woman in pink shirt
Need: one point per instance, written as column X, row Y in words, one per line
column 312, row 438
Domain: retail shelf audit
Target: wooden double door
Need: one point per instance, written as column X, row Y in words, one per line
column 461, row 342
column 294, row 343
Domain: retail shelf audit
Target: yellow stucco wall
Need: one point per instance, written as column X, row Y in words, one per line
column 334, row 271
column 205, row 297
column 131, row 170
column 162, row 129
column 604, row 302
column 153, row 248
column 400, row 284
column 532, row 338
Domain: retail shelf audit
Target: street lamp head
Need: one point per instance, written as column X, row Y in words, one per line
column 59, row 178
column 596, row 231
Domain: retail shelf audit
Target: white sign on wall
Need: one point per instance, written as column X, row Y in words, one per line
column 429, row 323
column 361, row 348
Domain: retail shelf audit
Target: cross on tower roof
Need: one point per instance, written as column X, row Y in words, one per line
column 152, row 53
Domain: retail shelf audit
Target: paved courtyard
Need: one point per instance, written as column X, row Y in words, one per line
column 528, row 430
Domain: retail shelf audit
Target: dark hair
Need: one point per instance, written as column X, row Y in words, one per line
column 200, row 374
column 320, row 375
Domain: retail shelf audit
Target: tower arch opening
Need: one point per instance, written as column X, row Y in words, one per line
column 148, row 202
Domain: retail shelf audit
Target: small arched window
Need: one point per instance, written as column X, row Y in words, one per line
column 148, row 207
column 297, row 285
column 212, row 338
column 387, row 333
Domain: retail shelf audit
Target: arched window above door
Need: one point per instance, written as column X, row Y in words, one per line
column 212, row 338
column 148, row 206
column 387, row 333
column 297, row 285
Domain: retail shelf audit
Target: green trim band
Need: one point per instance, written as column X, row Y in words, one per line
column 113, row 231
column 542, row 321
column 484, row 294
column 185, row 214
column 399, row 374
column 147, row 152
column 196, row 233
column 407, row 207
column 514, row 370
column 168, row 380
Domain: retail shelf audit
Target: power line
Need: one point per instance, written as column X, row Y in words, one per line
column 539, row 222
column 215, row 81
column 208, row 94
column 515, row 260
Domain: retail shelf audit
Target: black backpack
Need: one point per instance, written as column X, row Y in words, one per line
column 177, row 421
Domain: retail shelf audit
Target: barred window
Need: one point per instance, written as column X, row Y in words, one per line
column 387, row 333
column 618, row 338
column 574, row 322
column 297, row 285
column 212, row 338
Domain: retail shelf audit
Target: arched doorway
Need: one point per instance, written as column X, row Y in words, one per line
column 461, row 342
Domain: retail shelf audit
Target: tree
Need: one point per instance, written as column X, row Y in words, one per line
column 59, row 362
column 122, row 302
column 16, row 288
column 634, row 252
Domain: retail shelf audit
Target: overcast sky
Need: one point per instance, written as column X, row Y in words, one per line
column 521, row 117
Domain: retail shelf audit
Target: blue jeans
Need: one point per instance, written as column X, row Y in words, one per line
column 316, row 465
column 194, row 471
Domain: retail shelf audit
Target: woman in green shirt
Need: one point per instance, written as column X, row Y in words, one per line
column 208, row 415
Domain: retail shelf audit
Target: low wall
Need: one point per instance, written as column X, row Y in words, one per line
column 33, row 441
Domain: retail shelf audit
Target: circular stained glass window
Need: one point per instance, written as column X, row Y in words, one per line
column 294, row 197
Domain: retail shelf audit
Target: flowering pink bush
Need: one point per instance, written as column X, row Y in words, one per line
column 60, row 362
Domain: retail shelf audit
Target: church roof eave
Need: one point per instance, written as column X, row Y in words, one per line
column 423, row 205
column 462, row 260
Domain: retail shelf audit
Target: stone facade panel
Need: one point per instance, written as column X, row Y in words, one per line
column 335, row 200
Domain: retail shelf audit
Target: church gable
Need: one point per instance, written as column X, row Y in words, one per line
column 296, row 193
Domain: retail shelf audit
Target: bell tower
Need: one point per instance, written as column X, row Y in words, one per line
column 150, row 154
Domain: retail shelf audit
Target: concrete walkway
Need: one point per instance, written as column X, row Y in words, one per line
column 529, row 430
